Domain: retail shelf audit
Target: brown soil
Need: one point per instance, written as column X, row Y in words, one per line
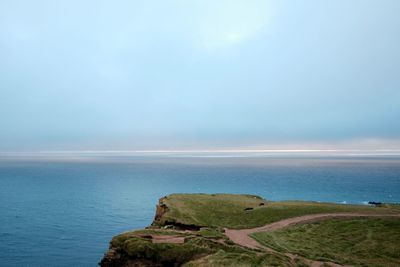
column 161, row 209
column 172, row 239
column 168, row 239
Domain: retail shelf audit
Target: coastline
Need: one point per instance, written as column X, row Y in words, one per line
column 193, row 229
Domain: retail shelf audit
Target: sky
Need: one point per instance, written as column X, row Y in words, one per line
column 201, row 74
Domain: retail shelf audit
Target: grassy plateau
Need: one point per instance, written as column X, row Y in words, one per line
column 362, row 242
column 198, row 220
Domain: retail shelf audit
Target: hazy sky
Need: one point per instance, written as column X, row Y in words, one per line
column 193, row 74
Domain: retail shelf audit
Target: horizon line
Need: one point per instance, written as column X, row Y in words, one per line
column 149, row 151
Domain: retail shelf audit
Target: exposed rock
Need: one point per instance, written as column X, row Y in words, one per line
column 182, row 227
column 160, row 210
column 115, row 258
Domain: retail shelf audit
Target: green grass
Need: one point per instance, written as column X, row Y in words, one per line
column 392, row 206
column 224, row 210
column 198, row 249
column 360, row 242
column 210, row 247
column 142, row 248
column 119, row 240
column 213, row 233
column 246, row 259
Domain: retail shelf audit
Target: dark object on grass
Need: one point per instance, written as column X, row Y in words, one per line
column 375, row 203
column 261, row 204
column 248, row 208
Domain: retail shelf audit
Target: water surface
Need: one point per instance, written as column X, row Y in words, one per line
column 64, row 212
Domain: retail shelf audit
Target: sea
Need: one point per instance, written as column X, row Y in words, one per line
column 63, row 209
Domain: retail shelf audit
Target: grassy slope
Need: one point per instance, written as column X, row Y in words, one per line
column 243, row 259
column 224, row 210
column 215, row 212
column 198, row 249
column 368, row 242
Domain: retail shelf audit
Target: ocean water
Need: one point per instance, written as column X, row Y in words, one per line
column 60, row 212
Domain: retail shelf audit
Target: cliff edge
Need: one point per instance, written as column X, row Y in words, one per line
column 204, row 230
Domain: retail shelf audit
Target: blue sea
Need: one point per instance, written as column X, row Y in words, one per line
column 63, row 211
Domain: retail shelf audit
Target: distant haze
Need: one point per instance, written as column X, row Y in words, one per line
column 105, row 75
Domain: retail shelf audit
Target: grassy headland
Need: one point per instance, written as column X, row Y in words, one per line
column 197, row 221
column 245, row 211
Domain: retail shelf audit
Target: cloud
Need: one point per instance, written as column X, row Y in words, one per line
column 162, row 74
column 225, row 23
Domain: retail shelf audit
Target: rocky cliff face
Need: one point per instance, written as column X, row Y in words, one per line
column 117, row 257
column 161, row 209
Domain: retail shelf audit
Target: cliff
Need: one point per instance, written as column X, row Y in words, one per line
column 205, row 230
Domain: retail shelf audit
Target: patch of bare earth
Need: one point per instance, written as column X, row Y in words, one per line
column 171, row 239
column 168, row 239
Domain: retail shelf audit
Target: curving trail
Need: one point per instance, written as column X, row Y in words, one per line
column 241, row 237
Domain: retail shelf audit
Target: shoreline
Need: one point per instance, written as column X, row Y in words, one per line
column 227, row 222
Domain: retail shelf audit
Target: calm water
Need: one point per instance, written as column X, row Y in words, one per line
column 56, row 213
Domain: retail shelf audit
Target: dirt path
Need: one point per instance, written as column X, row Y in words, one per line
column 242, row 238
column 168, row 239
column 171, row 239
